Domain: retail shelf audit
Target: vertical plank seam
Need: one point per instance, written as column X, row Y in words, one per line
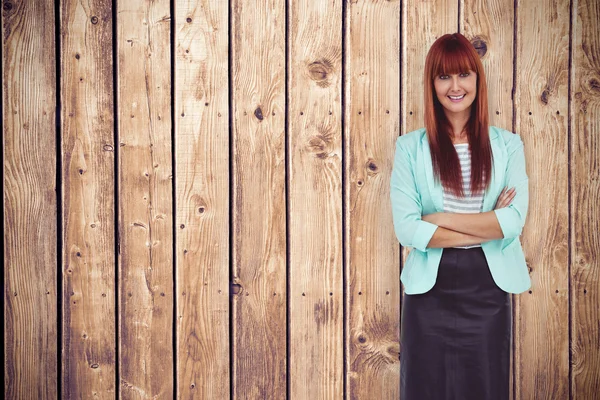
column 117, row 149
column 231, row 261
column 345, row 227
column 59, row 205
column 173, row 196
column 4, row 343
column 569, row 197
column 287, row 200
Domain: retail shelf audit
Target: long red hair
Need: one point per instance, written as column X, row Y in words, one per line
column 453, row 54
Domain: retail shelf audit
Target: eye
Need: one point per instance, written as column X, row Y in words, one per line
column 443, row 76
column 465, row 74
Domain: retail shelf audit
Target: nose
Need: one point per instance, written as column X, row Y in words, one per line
column 455, row 86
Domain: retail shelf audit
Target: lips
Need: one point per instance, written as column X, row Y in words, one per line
column 456, row 99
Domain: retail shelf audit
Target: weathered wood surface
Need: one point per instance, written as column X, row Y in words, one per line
column 585, row 192
column 259, row 195
column 372, row 109
column 88, row 200
column 490, row 28
column 202, row 196
column 259, row 205
column 541, row 329
column 145, row 297
column 30, row 199
column 315, row 199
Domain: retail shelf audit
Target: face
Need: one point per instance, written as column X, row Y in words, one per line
column 456, row 92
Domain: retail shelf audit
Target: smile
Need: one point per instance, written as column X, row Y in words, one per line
column 456, row 98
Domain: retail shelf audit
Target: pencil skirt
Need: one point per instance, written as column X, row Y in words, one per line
column 455, row 339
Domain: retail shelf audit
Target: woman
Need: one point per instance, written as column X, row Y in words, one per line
column 459, row 192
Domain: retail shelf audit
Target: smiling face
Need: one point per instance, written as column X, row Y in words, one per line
column 456, row 92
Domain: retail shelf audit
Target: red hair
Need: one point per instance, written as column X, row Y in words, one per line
column 453, row 54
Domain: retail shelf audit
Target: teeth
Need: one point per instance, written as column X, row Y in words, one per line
column 457, row 97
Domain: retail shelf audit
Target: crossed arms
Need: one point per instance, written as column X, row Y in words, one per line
column 450, row 229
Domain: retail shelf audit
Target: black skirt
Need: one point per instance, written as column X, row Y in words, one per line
column 455, row 339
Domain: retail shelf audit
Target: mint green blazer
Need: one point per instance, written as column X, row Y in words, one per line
column 414, row 193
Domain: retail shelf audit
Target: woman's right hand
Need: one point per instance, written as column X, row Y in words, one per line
column 505, row 198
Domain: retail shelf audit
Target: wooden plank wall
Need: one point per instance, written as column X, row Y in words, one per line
column 196, row 198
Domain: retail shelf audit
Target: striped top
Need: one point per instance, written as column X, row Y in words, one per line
column 470, row 203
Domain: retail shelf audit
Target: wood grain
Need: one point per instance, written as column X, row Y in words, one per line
column 202, row 196
column 30, row 203
column 88, row 191
column 541, row 110
column 489, row 26
column 259, row 206
column 315, row 199
column 585, row 192
column 145, row 200
column 372, row 82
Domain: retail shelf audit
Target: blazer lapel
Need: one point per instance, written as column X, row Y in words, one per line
column 435, row 188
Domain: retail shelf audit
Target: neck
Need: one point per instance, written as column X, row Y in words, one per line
column 458, row 122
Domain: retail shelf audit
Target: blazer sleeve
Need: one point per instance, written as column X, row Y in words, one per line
column 512, row 218
column 406, row 203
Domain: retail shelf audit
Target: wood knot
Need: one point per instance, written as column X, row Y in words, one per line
column 394, row 350
column 7, row 6
column 362, row 339
column 94, row 20
column 544, row 96
column 201, row 205
column 480, row 46
column 319, row 144
column 258, row 114
column 594, row 84
column 372, row 167
column 236, row 288
column 319, row 72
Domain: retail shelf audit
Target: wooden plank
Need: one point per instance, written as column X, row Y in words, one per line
column 585, row 192
column 88, row 190
column 145, row 200
column 490, row 28
column 202, row 193
column 315, row 199
column 30, row 223
column 541, row 318
column 373, row 261
column 259, row 207
column 422, row 23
